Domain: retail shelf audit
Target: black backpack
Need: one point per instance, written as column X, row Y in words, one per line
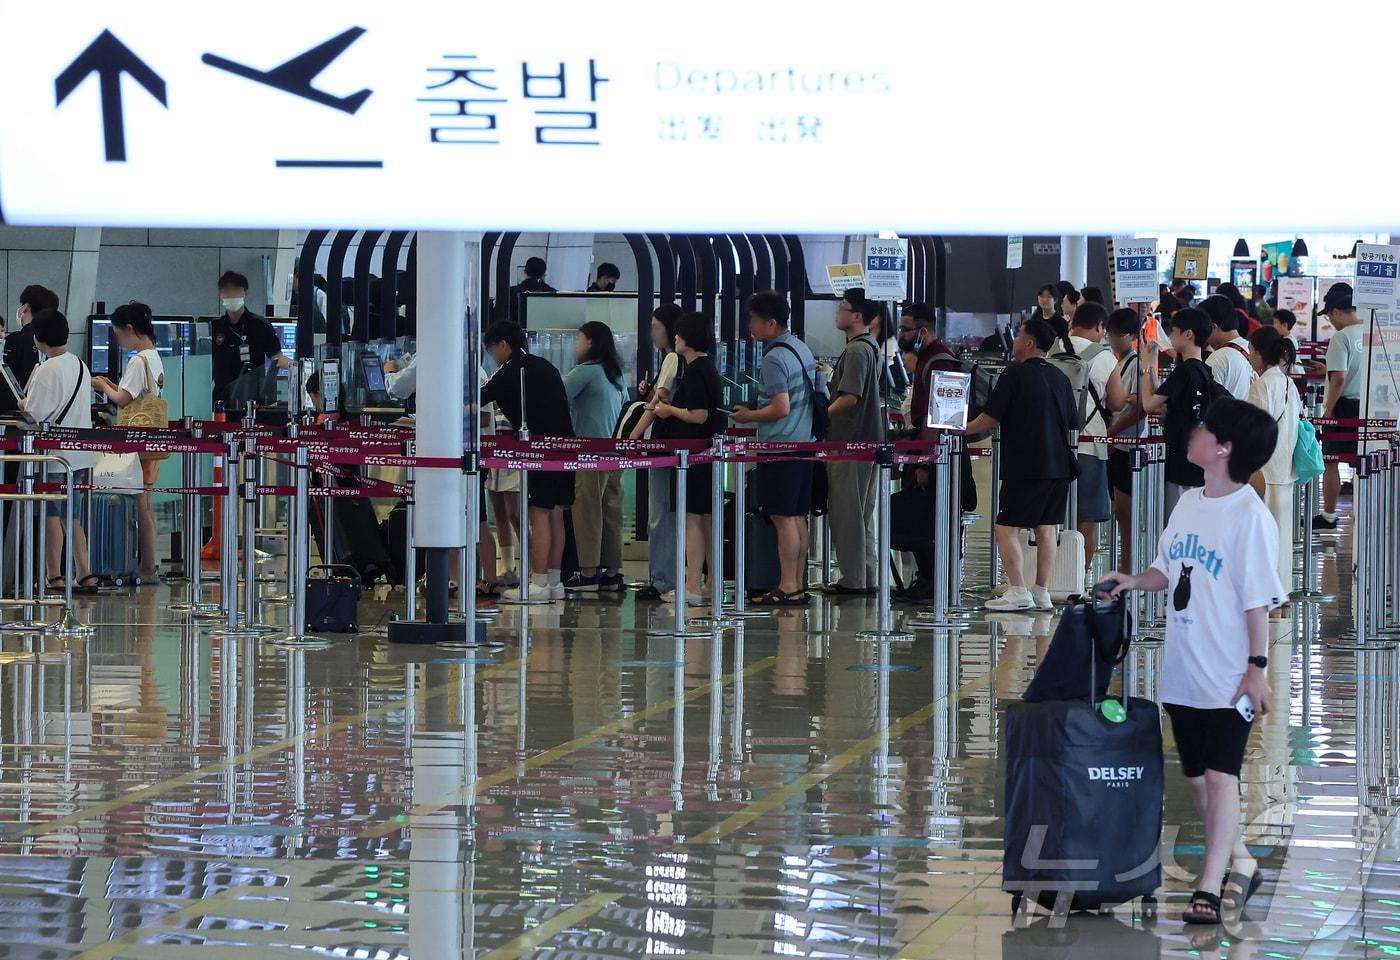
column 821, row 416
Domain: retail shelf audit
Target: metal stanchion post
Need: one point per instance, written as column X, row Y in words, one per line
column 678, row 627
column 884, row 462
column 938, row 618
column 740, row 609
column 25, row 546
column 1362, row 635
column 292, row 534
column 410, row 560
column 717, row 617
column 1393, row 531
column 524, row 546
column 1140, row 546
column 467, row 604
column 251, row 468
column 193, row 536
column 300, row 558
column 1309, row 593
column 234, row 467
column 68, row 625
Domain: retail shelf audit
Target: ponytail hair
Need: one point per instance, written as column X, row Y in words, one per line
column 1274, row 349
column 135, row 317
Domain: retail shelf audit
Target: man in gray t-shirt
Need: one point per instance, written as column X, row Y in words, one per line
column 856, row 414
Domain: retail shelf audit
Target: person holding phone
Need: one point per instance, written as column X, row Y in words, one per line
column 1217, row 558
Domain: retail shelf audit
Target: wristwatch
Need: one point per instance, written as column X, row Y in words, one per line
column 1260, row 662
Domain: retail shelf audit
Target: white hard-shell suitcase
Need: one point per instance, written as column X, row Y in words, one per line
column 1067, row 575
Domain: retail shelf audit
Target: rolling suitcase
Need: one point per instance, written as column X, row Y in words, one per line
column 1083, row 799
column 1067, row 574
column 358, row 541
column 112, row 541
column 333, row 599
column 762, row 571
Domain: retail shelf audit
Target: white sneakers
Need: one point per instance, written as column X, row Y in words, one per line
column 538, row 591
column 1019, row 598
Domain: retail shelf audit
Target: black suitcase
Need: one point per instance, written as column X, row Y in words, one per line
column 333, row 599
column 1083, row 801
column 357, row 542
column 1083, row 626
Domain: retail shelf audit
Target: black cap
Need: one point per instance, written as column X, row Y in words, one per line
column 1338, row 297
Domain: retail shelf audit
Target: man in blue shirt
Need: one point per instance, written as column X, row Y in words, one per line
column 783, row 486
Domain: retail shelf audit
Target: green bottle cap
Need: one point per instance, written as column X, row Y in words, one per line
column 1113, row 711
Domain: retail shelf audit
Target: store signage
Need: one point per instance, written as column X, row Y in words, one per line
column 845, row 276
column 1192, row 259
column 1296, row 294
column 461, row 116
column 1015, row 250
column 1136, row 276
column 886, row 269
column 1376, row 268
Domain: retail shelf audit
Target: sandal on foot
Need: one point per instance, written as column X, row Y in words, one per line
column 1238, row 889
column 776, row 598
column 88, row 584
column 1203, row 910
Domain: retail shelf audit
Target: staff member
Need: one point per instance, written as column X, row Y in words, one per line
column 243, row 341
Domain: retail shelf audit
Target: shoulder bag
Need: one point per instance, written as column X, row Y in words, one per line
column 148, row 410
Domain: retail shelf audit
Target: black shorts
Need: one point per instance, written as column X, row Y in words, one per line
column 1033, row 503
column 1209, row 739
column 551, row 488
column 697, row 489
column 1120, row 471
column 783, row 488
column 1346, row 409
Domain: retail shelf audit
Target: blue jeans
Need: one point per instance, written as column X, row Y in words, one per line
column 661, row 532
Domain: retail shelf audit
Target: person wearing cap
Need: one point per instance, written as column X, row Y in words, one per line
column 1343, row 398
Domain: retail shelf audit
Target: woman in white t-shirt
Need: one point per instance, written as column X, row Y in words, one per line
column 56, row 395
column 144, row 374
column 1273, row 356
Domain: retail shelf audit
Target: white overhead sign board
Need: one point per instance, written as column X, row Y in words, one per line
column 886, row 269
column 1377, row 266
column 1135, row 270
column 441, row 115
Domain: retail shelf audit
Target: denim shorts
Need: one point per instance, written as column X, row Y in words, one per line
column 56, row 508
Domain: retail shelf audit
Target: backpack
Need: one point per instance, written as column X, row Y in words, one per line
column 821, row 416
column 981, row 386
column 1177, row 429
column 1307, row 453
column 1075, row 366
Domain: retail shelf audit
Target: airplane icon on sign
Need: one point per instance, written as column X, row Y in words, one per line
column 295, row 76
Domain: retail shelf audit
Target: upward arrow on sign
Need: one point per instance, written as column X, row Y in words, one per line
column 109, row 58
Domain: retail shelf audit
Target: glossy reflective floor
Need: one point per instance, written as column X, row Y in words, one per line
column 586, row 790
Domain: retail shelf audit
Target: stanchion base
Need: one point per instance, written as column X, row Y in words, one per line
column 482, row 613
column 421, row 631
column 1348, row 641
column 245, row 630
column 68, row 625
column 662, row 633
column 747, row 614
column 24, row 626
column 282, row 598
column 532, row 602
column 1149, row 642
column 1311, row 596
column 885, row 636
column 714, row 623
column 937, row 626
column 305, row 642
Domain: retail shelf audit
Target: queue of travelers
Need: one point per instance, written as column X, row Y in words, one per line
column 1080, row 387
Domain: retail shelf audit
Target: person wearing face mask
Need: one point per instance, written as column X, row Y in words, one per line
column 243, row 341
column 608, row 275
column 21, row 356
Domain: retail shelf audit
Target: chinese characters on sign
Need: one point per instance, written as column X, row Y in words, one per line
column 1376, row 271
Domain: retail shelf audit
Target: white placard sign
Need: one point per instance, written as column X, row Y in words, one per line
column 1296, row 294
column 573, row 118
column 1377, row 265
column 1015, row 251
column 948, row 399
column 886, row 269
column 1136, row 276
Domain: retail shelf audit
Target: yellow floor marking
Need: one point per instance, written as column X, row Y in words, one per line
column 482, row 784
column 599, row 901
column 140, row 794
column 941, row 930
column 555, row 925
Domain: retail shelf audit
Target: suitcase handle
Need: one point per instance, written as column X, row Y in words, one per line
column 353, row 573
column 1095, row 638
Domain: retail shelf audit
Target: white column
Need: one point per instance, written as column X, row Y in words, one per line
column 1074, row 260
column 439, row 519
column 82, row 276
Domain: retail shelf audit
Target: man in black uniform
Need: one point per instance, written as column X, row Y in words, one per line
column 243, row 342
column 546, row 414
column 21, row 356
